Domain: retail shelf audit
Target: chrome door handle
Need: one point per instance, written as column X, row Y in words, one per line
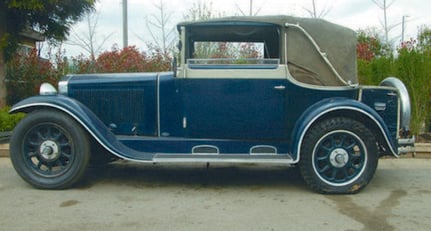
column 280, row 87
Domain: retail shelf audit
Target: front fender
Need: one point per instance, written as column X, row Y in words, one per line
column 344, row 107
column 89, row 121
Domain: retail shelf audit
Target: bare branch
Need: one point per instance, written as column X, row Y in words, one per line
column 157, row 25
column 87, row 40
column 251, row 11
column 385, row 5
column 314, row 13
column 240, row 10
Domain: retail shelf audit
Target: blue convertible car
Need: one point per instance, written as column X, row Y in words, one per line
column 294, row 101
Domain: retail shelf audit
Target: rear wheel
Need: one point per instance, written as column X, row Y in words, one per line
column 49, row 149
column 338, row 155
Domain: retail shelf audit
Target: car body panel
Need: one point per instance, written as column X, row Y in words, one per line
column 278, row 132
column 339, row 106
column 230, row 111
column 92, row 124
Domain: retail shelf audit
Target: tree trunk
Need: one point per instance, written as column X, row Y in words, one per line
column 2, row 61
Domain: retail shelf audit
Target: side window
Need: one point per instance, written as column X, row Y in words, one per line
column 228, row 50
column 238, row 50
column 238, row 45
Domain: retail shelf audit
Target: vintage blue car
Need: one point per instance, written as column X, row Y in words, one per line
column 295, row 101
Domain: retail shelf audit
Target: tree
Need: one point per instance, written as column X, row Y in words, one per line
column 51, row 18
column 164, row 39
column 200, row 11
column 424, row 39
column 384, row 5
column 87, row 40
column 251, row 13
column 370, row 45
column 314, row 13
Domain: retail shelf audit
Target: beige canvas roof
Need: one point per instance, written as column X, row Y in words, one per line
column 336, row 42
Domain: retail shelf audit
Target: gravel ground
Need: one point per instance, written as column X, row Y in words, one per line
column 126, row 196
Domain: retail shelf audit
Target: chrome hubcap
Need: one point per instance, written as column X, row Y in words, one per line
column 339, row 157
column 49, row 150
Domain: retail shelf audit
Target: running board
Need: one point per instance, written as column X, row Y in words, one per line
column 223, row 158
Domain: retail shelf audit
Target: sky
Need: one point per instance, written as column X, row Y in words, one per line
column 355, row 14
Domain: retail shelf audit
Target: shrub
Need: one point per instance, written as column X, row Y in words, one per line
column 24, row 74
column 414, row 69
column 413, row 66
column 129, row 59
column 7, row 121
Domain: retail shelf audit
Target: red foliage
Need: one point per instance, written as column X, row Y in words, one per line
column 367, row 50
column 130, row 59
column 25, row 73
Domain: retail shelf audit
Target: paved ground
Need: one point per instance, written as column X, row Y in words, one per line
column 191, row 197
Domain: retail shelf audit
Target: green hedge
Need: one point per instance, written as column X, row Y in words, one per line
column 7, row 121
column 413, row 67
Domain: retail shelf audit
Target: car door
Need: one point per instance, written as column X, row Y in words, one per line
column 244, row 104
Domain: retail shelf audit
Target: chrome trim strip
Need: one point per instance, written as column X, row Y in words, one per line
column 263, row 146
column 205, row 146
column 285, row 50
column 182, row 69
column 184, row 122
column 277, row 73
column 63, row 85
column 361, row 91
column 209, row 159
column 158, row 104
column 341, row 108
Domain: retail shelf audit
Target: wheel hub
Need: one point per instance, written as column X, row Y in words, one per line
column 49, row 150
column 339, row 158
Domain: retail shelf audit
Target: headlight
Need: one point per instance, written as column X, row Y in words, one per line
column 47, row 89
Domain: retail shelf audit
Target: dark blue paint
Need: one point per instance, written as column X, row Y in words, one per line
column 339, row 104
column 125, row 102
column 238, row 109
column 176, row 145
column 232, row 114
column 371, row 96
column 87, row 118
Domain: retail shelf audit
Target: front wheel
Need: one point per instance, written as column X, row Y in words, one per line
column 338, row 155
column 49, row 149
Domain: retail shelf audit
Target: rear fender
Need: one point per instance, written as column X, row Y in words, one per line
column 89, row 121
column 340, row 107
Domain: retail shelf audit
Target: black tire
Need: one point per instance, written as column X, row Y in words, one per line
column 49, row 149
column 338, row 155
